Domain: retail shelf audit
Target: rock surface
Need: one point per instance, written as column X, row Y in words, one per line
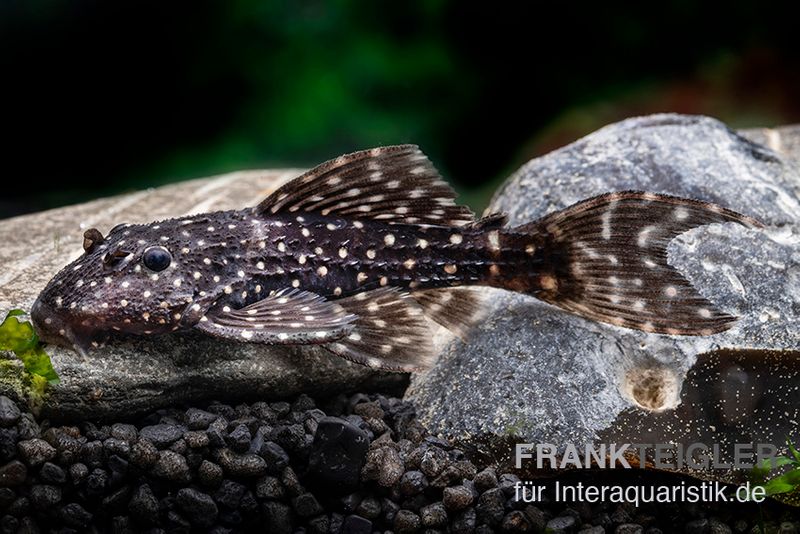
column 532, row 373
column 129, row 377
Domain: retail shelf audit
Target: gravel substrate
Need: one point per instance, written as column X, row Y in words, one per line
column 352, row 464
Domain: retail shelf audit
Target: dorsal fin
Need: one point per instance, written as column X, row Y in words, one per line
column 487, row 222
column 394, row 184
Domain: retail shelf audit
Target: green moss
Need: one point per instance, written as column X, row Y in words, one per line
column 19, row 384
column 31, row 378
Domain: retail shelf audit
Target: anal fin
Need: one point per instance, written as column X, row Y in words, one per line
column 455, row 309
column 389, row 332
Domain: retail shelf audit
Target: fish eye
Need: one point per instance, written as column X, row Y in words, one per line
column 156, row 258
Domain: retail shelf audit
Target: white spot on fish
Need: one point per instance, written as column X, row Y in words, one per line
column 388, row 239
column 606, row 220
column 644, row 235
column 494, row 240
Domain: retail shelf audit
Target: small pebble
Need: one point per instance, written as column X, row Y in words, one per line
column 162, row 435
column 35, row 451
column 13, row 473
column 457, row 498
column 353, row 464
column 9, row 412
column 199, row 508
column 171, row 466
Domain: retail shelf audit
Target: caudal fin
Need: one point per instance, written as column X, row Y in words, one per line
column 605, row 259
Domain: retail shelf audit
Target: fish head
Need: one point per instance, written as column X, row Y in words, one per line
column 138, row 279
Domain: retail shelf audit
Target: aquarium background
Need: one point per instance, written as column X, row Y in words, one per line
column 105, row 97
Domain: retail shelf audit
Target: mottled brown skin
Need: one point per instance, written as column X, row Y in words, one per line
column 272, row 253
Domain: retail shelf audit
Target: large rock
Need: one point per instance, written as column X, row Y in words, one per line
column 532, row 373
column 129, row 377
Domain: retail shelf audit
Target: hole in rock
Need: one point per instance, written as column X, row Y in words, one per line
column 652, row 388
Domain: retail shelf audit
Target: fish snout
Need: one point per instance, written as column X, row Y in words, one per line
column 48, row 324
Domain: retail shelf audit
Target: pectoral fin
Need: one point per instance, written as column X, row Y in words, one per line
column 288, row 317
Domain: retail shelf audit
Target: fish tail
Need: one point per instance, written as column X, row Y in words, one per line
column 605, row 259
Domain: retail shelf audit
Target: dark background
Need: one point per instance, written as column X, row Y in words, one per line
column 102, row 96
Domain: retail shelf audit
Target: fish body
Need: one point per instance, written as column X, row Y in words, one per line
column 357, row 254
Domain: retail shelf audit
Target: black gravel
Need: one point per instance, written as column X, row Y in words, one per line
column 351, row 464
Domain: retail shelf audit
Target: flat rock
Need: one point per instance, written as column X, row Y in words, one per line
column 134, row 376
column 533, row 373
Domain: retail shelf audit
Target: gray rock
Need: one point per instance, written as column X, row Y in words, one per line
column 171, row 369
column 533, row 373
column 9, row 412
column 783, row 139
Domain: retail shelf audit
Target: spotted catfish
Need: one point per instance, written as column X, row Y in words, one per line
column 356, row 254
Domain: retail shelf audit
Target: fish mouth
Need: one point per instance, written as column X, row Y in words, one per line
column 54, row 329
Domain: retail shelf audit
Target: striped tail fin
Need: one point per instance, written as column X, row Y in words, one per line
column 605, row 259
